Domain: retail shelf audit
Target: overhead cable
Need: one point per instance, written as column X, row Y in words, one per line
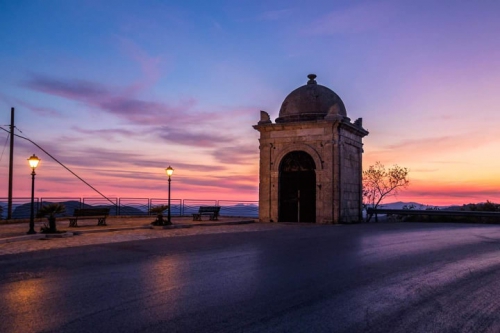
column 52, row 157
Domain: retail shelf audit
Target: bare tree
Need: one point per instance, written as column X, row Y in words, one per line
column 379, row 182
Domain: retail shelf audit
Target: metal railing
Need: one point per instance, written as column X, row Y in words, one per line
column 21, row 207
column 239, row 208
column 175, row 203
column 432, row 212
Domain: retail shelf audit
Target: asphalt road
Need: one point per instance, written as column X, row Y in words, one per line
column 294, row 278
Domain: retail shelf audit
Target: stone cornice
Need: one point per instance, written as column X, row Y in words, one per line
column 345, row 123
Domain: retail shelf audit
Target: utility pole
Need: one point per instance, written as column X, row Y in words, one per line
column 11, row 164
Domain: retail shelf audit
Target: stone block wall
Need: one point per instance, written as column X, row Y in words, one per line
column 351, row 177
column 336, row 149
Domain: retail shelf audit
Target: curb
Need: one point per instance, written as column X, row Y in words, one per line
column 212, row 224
column 201, row 224
column 61, row 235
column 21, row 238
column 91, row 231
column 65, row 234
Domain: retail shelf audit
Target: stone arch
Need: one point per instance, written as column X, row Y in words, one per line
column 297, row 188
column 297, row 147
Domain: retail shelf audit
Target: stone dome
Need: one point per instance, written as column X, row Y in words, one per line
column 311, row 102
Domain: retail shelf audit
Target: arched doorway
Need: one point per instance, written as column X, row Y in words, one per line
column 297, row 188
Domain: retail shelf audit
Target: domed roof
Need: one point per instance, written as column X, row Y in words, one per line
column 311, row 102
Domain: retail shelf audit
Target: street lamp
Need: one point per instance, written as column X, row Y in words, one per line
column 33, row 161
column 169, row 171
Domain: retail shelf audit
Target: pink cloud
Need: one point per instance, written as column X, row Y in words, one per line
column 411, row 149
column 150, row 66
column 426, row 143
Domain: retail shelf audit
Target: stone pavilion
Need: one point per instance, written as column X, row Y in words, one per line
column 310, row 159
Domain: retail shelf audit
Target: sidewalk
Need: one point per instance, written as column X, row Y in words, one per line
column 13, row 232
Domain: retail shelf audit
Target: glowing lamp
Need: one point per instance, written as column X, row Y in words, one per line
column 33, row 161
column 169, row 171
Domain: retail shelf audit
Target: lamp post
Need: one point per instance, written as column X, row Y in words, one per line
column 169, row 171
column 33, row 161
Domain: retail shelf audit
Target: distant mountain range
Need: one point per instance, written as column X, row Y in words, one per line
column 249, row 210
column 400, row 205
column 417, row 205
column 24, row 210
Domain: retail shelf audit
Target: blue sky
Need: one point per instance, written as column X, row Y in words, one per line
column 119, row 90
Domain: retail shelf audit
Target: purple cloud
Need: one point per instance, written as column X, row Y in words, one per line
column 121, row 103
column 241, row 183
column 98, row 158
column 178, row 165
column 184, row 137
column 71, row 89
column 43, row 111
column 109, row 134
column 237, row 154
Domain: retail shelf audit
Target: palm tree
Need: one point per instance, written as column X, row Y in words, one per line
column 50, row 211
column 158, row 210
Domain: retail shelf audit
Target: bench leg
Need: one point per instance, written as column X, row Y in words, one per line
column 101, row 221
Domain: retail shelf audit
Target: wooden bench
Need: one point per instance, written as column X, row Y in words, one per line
column 211, row 211
column 89, row 213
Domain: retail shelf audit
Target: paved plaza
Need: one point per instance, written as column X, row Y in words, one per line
column 253, row 277
column 13, row 238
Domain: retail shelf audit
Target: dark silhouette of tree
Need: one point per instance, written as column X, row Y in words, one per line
column 50, row 211
column 379, row 182
column 487, row 206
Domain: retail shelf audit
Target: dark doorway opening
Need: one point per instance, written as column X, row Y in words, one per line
column 297, row 188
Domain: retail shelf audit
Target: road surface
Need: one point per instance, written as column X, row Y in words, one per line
column 290, row 278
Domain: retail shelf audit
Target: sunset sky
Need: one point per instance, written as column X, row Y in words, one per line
column 120, row 90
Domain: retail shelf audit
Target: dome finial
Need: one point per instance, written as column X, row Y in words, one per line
column 311, row 78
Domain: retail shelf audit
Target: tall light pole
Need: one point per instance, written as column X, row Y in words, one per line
column 33, row 161
column 169, row 171
column 11, row 164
